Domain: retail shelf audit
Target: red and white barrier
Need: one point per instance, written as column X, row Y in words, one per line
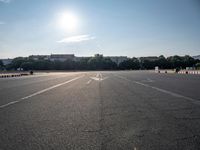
column 164, row 71
column 189, row 72
column 13, row 75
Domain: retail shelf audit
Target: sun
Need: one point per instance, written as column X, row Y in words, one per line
column 68, row 21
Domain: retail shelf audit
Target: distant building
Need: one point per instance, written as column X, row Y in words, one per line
column 7, row 61
column 196, row 57
column 62, row 57
column 40, row 57
column 150, row 58
column 80, row 58
column 53, row 57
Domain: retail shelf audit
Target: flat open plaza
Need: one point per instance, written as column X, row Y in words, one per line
column 132, row 110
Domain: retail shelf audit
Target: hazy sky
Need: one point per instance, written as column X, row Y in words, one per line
column 110, row 27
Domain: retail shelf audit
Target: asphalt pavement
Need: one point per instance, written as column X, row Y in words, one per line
column 102, row 110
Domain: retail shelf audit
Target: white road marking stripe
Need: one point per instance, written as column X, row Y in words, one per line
column 2, row 106
column 89, row 82
column 101, row 76
column 40, row 92
column 162, row 90
column 97, row 75
column 149, row 80
column 50, row 88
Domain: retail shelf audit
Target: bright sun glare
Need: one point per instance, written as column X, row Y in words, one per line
column 68, row 21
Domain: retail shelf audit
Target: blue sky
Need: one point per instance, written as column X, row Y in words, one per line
column 110, row 27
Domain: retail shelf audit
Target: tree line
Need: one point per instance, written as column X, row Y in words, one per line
column 98, row 62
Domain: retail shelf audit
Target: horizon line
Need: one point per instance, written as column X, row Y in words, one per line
column 101, row 54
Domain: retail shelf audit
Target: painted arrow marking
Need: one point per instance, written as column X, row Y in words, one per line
column 147, row 80
column 98, row 77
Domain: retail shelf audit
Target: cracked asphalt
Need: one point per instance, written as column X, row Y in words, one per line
column 102, row 110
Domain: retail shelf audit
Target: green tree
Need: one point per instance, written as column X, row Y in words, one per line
column 162, row 62
column 69, row 65
column 100, row 63
column 16, row 63
column 188, row 61
column 82, row 64
column 27, row 65
column 1, row 63
column 42, row 65
column 197, row 65
column 130, row 64
column 148, row 62
column 108, row 64
column 175, row 61
column 96, row 63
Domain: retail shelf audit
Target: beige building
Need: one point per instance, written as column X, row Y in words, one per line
column 62, row 57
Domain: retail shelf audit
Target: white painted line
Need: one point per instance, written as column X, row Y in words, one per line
column 89, row 82
column 2, row 106
column 162, row 90
column 99, row 79
column 40, row 92
column 149, row 80
column 95, row 78
column 50, row 88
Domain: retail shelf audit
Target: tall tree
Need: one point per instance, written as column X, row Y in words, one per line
column 130, row 64
column 1, row 63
